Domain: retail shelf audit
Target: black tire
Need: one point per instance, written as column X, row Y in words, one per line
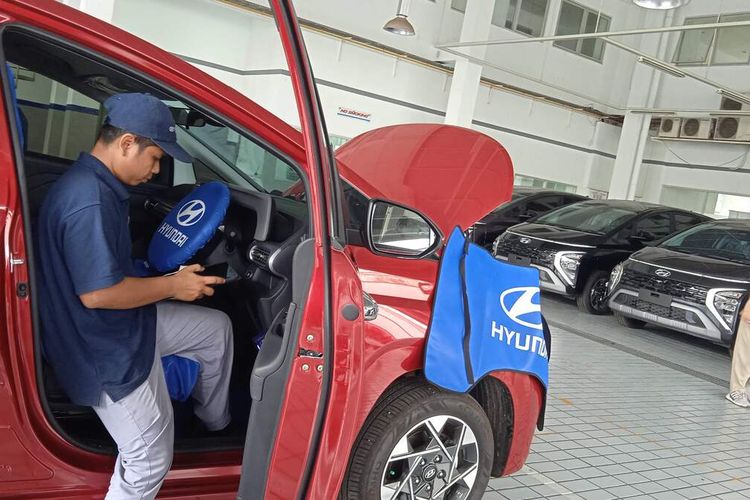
column 405, row 406
column 630, row 322
column 590, row 299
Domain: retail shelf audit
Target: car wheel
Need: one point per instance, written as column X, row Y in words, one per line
column 629, row 322
column 421, row 442
column 593, row 297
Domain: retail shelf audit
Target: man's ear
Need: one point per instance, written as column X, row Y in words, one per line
column 125, row 143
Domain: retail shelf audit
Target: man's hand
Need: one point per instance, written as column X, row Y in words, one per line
column 188, row 286
column 745, row 315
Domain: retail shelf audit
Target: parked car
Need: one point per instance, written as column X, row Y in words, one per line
column 576, row 247
column 525, row 204
column 693, row 282
column 335, row 400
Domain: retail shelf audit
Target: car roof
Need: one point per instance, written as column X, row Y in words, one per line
column 635, row 206
column 745, row 223
column 528, row 191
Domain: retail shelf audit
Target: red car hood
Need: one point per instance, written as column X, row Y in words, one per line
column 453, row 175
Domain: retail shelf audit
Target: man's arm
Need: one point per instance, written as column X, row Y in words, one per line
column 129, row 293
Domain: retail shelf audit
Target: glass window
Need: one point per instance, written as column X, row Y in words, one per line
column 575, row 19
column 684, row 221
column 543, row 204
column 589, row 217
column 531, row 15
column 714, row 240
column 526, row 180
column 715, row 46
column 733, row 44
column 524, row 16
column 695, row 44
column 59, row 121
column 654, row 226
column 258, row 166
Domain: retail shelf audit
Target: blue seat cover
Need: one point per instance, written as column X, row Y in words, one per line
column 188, row 227
column 181, row 375
column 486, row 316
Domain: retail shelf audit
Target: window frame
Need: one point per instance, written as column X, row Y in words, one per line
column 517, row 14
column 711, row 53
column 579, row 42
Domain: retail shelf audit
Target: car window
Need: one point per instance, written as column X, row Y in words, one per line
column 654, row 226
column 544, row 204
column 684, row 221
column 713, row 240
column 259, row 167
column 590, row 217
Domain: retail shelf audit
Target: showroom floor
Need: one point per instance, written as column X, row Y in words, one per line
column 632, row 414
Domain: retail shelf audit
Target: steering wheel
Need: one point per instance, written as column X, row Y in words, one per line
column 188, row 227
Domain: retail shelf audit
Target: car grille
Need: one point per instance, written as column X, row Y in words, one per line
column 512, row 244
column 673, row 313
column 687, row 292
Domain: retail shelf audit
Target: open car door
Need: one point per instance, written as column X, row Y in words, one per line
column 291, row 380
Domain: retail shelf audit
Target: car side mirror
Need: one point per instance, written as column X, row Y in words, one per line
column 400, row 231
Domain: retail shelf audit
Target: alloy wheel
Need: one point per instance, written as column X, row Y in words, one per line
column 599, row 295
column 437, row 459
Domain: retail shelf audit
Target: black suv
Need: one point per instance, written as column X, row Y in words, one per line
column 525, row 204
column 575, row 247
column 694, row 282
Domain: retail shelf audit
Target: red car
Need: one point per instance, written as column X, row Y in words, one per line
column 335, row 259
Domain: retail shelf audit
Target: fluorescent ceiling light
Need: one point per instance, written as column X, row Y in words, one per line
column 662, row 66
column 660, row 4
column 734, row 95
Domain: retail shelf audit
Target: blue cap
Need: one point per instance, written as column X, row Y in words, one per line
column 147, row 116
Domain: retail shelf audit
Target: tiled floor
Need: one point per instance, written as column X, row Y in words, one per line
column 632, row 414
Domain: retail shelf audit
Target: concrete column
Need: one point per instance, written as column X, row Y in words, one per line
column 644, row 87
column 466, row 75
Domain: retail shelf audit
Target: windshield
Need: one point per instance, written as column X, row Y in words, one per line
column 264, row 171
column 713, row 240
column 513, row 197
column 590, row 218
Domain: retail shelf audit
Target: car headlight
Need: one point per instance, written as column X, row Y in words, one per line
column 723, row 303
column 496, row 243
column 614, row 277
column 567, row 264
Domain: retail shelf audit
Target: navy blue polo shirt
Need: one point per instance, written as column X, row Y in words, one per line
column 84, row 245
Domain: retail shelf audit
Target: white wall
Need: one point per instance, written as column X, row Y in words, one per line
column 544, row 140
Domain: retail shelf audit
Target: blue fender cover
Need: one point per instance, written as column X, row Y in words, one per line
column 181, row 375
column 189, row 226
column 486, row 316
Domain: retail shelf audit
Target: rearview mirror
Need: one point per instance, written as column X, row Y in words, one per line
column 399, row 231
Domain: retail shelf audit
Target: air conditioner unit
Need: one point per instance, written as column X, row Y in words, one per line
column 732, row 128
column 669, row 127
column 693, row 128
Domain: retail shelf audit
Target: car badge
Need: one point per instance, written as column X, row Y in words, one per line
column 517, row 307
column 525, row 241
column 663, row 273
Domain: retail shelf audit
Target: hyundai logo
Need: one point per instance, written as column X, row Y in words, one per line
column 525, row 241
column 663, row 273
column 191, row 212
column 519, row 302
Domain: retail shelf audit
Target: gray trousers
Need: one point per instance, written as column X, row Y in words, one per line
column 141, row 423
